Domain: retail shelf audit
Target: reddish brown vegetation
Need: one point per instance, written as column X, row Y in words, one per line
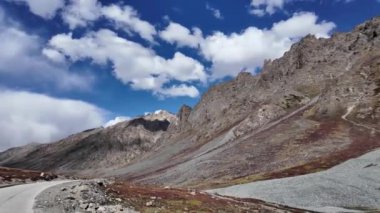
column 362, row 142
column 179, row 200
column 9, row 174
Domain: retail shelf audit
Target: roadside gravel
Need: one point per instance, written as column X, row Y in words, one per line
column 78, row 196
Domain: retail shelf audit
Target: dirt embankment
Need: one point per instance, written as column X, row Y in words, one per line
column 11, row 176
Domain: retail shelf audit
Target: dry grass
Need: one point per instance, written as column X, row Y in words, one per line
column 9, row 174
column 182, row 200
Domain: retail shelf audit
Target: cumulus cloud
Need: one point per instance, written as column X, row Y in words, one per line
column 127, row 18
column 27, row 117
column 132, row 63
column 179, row 90
column 54, row 55
column 45, row 9
column 79, row 13
column 215, row 12
column 263, row 7
column 231, row 53
column 116, row 120
column 302, row 24
column 175, row 33
column 21, row 59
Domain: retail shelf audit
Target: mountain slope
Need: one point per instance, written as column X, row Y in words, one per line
column 316, row 106
column 313, row 108
column 356, row 178
column 85, row 152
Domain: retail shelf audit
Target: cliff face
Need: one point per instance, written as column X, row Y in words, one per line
column 340, row 70
column 313, row 108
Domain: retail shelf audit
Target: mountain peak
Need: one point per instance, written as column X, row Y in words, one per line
column 161, row 115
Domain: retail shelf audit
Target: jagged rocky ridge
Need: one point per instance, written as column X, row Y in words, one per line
column 313, row 108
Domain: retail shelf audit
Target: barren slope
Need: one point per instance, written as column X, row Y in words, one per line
column 84, row 153
column 313, row 108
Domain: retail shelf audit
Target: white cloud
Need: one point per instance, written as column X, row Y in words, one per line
column 44, row 8
column 127, row 18
column 263, row 7
column 79, row 13
column 302, row 24
column 21, row 59
column 54, row 55
column 179, row 90
column 231, row 53
column 175, row 33
column 132, row 63
column 27, row 117
column 116, row 120
column 215, row 12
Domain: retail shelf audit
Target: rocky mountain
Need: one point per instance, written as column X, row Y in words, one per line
column 87, row 152
column 309, row 110
column 316, row 106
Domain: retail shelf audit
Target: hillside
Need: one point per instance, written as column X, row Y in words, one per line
column 85, row 152
column 309, row 110
column 313, row 108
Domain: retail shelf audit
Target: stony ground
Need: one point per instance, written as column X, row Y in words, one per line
column 353, row 185
column 79, row 196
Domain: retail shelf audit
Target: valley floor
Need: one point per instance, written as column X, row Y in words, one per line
column 354, row 184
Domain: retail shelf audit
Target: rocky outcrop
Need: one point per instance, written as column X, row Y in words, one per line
column 183, row 116
column 150, row 125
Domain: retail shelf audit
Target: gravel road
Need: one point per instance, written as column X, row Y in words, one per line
column 20, row 198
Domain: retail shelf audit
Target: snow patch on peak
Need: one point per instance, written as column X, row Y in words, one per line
column 161, row 115
column 160, row 111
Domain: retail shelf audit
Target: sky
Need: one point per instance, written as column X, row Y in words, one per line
column 70, row 65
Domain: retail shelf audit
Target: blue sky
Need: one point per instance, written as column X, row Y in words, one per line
column 94, row 60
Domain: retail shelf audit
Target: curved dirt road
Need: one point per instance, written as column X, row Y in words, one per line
column 20, row 198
